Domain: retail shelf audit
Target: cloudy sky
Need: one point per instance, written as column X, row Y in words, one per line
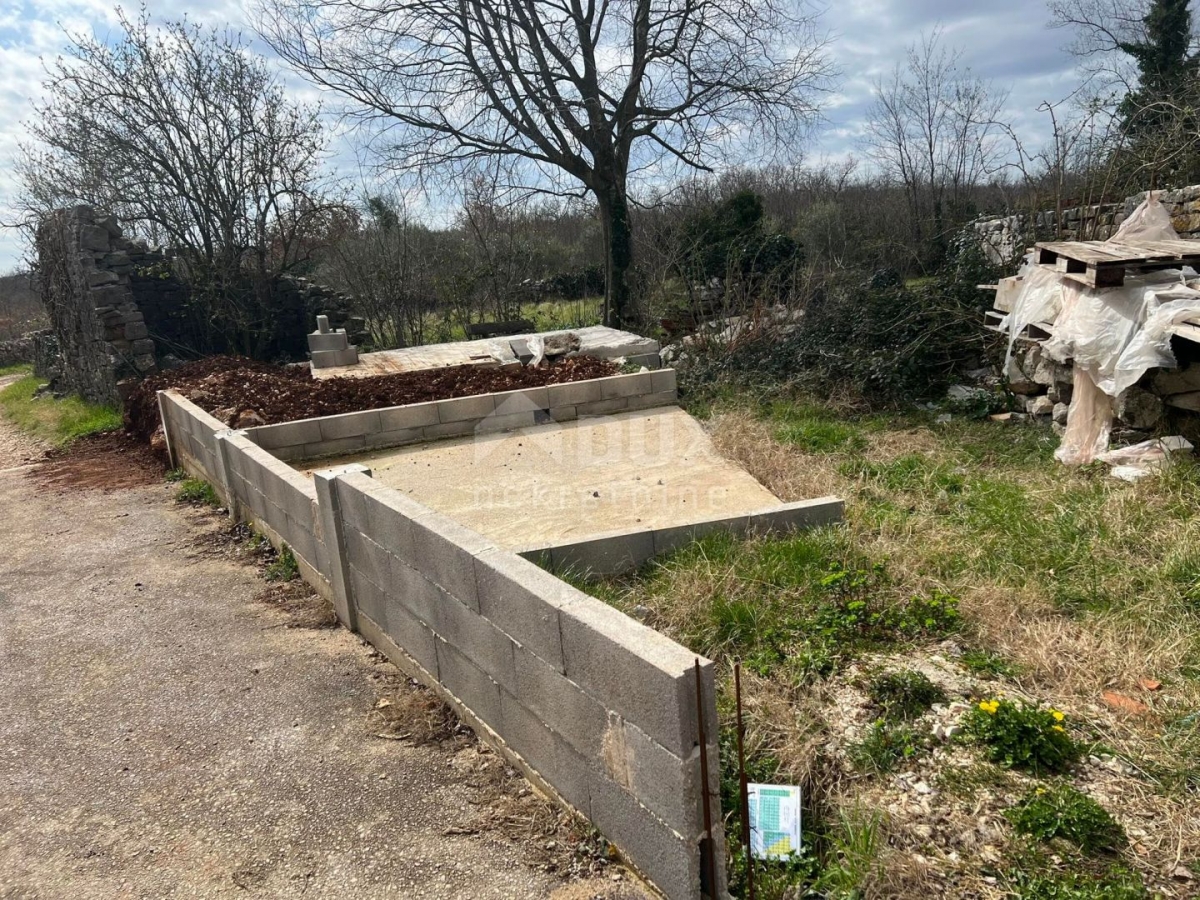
column 1009, row 44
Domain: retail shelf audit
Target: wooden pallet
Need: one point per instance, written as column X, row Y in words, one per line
column 1104, row 263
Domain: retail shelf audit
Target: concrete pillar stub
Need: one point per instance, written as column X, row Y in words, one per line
column 329, row 508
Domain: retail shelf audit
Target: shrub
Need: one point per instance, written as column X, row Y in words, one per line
column 885, row 747
column 1061, row 811
column 195, row 490
column 904, row 695
column 1021, row 736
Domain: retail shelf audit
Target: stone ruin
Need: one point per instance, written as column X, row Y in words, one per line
column 118, row 312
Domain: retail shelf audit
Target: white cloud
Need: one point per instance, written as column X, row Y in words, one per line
column 1008, row 43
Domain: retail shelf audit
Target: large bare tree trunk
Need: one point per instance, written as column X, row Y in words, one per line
column 618, row 257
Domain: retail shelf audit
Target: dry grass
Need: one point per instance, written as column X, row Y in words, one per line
column 1080, row 584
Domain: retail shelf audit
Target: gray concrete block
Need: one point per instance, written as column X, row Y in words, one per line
column 737, row 525
column 300, row 539
column 368, row 557
column 523, row 600
column 415, row 592
column 423, row 671
column 630, row 385
column 324, row 359
column 444, row 552
column 332, row 340
column 545, row 752
column 479, row 640
column 511, row 422
column 334, row 448
column 405, row 631
column 606, row 555
column 465, row 408
column 415, row 415
column 668, row 860
column 603, row 407
column 524, row 400
column 385, row 514
column 369, row 598
column 649, row 360
column 663, row 381
column 635, row 671
column 563, row 413
column 661, row 781
column 574, row 393
column 799, row 515
column 651, row 401
column 289, row 434
column 580, row 719
column 470, row 684
column 396, row 438
column 449, row 430
column 349, row 425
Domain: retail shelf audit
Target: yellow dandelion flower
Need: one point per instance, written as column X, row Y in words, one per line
column 1058, row 717
column 1059, row 728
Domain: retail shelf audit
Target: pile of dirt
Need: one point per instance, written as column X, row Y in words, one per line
column 112, row 460
column 241, row 391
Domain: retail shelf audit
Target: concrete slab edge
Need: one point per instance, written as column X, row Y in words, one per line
column 620, row 551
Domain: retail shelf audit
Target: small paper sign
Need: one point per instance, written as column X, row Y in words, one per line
column 774, row 820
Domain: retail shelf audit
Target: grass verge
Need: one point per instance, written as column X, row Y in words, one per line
column 973, row 569
column 55, row 421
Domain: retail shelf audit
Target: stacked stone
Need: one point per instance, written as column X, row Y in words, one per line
column 102, row 335
column 312, row 299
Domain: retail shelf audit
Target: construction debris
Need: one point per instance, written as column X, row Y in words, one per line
column 1090, row 326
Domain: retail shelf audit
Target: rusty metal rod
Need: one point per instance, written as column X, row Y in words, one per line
column 743, row 782
column 706, row 801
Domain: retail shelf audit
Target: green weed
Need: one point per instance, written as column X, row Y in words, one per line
column 195, row 490
column 1117, row 883
column 56, row 421
column 984, row 662
column 284, row 567
column 176, row 475
column 904, row 695
column 1060, row 811
column 885, row 747
column 1021, row 736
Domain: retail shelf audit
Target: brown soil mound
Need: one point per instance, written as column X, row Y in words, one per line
column 109, row 461
column 231, row 388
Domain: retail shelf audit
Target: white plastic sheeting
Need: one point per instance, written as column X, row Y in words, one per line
column 1111, row 335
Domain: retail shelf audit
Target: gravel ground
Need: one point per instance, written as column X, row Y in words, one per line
column 164, row 735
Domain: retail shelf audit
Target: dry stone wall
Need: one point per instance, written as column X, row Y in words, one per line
column 101, row 335
column 1004, row 238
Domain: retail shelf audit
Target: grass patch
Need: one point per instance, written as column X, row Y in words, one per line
column 885, row 748
column 55, row 421
column 176, row 475
column 18, row 369
column 1062, row 812
column 904, row 695
column 197, row 491
column 985, row 662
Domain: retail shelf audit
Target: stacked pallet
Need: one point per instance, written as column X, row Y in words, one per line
column 1100, row 264
column 1044, row 386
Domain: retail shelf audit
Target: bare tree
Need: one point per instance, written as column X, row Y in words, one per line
column 932, row 129
column 188, row 138
column 578, row 93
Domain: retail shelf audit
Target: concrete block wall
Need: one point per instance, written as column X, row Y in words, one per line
column 191, row 439
column 253, row 484
column 601, row 708
column 464, row 416
column 620, row 551
column 592, row 705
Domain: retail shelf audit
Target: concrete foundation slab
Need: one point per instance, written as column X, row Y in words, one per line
column 596, row 340
column 562, row 481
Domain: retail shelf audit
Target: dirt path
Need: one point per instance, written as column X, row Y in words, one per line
column 163, row 734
